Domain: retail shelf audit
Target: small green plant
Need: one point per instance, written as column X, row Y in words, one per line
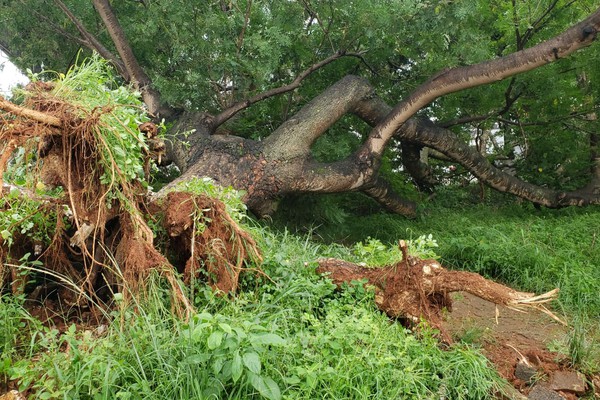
column 25, row 216
column 423, row 247
column 233, row 352
column 373, row 252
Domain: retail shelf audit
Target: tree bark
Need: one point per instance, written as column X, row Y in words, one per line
column 136, row 73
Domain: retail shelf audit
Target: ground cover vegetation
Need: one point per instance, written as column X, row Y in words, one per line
column 111, row 289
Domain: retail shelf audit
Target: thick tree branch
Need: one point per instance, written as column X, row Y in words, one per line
column 382, row 192
column 91, row 42
column 457, row 79
column 419, row 170
column 445, row 141
column 294, row 138
column 373, row 109
column 227, row 114
column 138, row 76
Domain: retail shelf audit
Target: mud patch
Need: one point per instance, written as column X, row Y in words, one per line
column 511, row 340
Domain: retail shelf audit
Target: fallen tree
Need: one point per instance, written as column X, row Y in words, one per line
column 416, row 290
column 99, row 231
column 281, row 163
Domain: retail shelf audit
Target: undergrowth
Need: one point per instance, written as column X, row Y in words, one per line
column 291, row 336
column 294, row 336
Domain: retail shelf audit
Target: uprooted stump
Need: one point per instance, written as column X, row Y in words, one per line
column 415, row 289
column 97, row 238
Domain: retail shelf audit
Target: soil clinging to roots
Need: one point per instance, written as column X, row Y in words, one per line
column 101, row 241
column 415, row 289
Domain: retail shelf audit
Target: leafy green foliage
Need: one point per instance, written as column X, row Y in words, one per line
column 293, row 336
column 25, row 217
column 14, row 332
column 90, row 86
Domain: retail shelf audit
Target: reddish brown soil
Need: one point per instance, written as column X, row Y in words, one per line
column 515, row 335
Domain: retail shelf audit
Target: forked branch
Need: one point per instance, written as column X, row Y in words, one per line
column 227, row 114
column 416, row 289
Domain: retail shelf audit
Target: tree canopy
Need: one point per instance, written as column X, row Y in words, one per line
column 269, row 58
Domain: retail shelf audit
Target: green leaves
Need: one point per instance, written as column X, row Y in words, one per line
column 252, row 362
column 214, row 340
column 266, row 386
column 234, row 352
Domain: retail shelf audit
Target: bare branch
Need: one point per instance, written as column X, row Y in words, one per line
column 508, row 102
column 234, row 109
column 549, row 122
column 461, row 78
column 138, row 76
column 538, row 24
column 466, row 120
column 91, row 42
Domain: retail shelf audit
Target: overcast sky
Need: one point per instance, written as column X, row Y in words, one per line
column 9, row 75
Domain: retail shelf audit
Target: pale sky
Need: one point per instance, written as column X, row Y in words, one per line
column 9, row 75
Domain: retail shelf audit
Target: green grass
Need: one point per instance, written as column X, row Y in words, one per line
column 296, row 337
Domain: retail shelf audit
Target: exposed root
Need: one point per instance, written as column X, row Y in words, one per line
column 102, row 242
column 416, row 289
column 212, row 242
